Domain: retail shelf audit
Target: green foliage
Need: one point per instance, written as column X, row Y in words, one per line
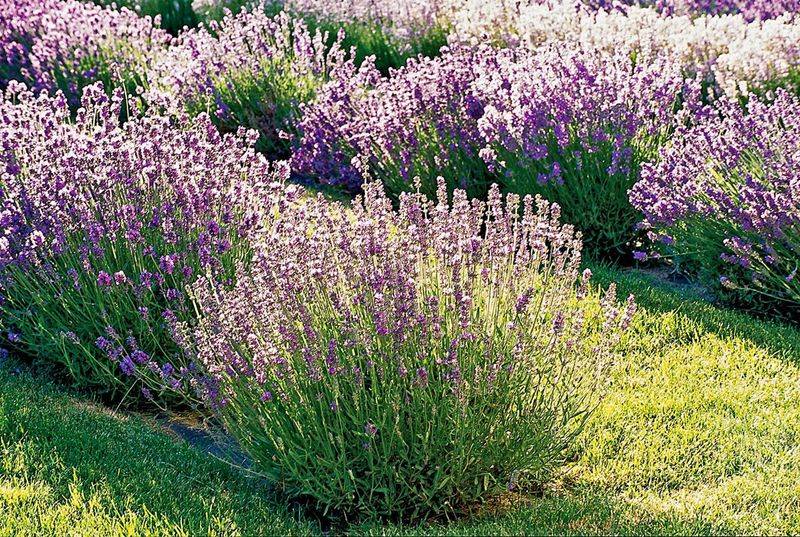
column 214, row 10
column 267, row 100
column 370, row 38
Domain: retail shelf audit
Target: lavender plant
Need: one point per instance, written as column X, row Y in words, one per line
column 574, row 127
column 249, row 70
column 571, row 125
column 68, row 45
column 731, row 55
column 409, row 363
column 415, row 124
column 725, row 199
column 105, row 226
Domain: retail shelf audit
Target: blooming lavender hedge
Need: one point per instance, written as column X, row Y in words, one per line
column 104, row 227
column 408, row 363
column 725, row 197
column 731, row 55
column 570, row 125
column 251, row 69
column 67, row 45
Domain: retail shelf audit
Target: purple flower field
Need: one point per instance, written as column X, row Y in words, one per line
column 356, row 234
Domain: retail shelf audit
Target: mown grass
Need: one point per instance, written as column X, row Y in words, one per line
column 699, row 434
column 69, row 466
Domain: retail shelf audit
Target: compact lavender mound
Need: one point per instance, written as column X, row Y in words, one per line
column 409, row 363
column 250, row 69
column 571, row 125
column 725, row 197
column 415, row 124
column 104, row 226
column 67, row 45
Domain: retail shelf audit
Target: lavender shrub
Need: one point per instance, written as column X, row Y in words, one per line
column 105, row 226
column 571, row 125
column 67, row 45
column 731, row 55
column 575, row 127
column 413, row 124
column 409, row 363
column 725, row 198
column 250, row 69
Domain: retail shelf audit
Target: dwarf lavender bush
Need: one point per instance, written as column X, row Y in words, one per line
column 250, row 70
column 67, row 45
column 572, row 125
column 725, row 197
column 408, row 363
column 416, row 124
column 104, row 226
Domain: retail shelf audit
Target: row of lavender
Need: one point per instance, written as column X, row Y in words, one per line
column 365, row 356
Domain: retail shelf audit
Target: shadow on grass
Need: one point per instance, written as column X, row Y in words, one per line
column 581, row 511
column 65, row 443
column 658, row 297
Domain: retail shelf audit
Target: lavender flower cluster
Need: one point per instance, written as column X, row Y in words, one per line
column 67, row 45
column 368, row 325
column 726, row 195
column 104, row 226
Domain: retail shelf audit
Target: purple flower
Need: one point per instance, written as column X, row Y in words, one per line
column 104, row 279
column 127, row 366
column 139, row 357
column 167, row 263
column 120, row 278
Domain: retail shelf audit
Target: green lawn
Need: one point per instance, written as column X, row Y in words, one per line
column 699, row 434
